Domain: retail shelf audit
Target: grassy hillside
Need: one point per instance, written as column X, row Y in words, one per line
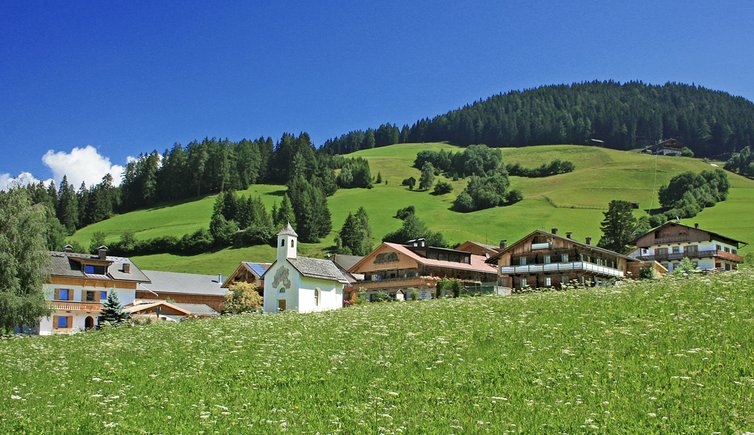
column 571, row 202
column 649, row 357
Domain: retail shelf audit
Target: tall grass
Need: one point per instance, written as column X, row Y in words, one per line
column 668, row 356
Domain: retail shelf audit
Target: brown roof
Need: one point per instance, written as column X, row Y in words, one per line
column 68, row 264
column 724, row 238
column 575, row 242
column 477, row 261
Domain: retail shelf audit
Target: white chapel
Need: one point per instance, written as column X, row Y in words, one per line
column 299, row 283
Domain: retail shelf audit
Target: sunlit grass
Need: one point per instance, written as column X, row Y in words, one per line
column 652, row 357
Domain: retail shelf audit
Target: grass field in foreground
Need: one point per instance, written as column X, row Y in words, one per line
column 650, row 357
column 572, row 202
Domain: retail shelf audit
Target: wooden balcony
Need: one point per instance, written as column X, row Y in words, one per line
column 710, row 253
column 89, row 307
column 580, row 266
column 403, row 282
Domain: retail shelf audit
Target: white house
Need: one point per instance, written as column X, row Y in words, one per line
column 671, row 242
column 299, row 283
column 78, row 284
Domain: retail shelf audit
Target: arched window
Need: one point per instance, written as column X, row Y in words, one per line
column 282, row 243
column 316, row 296
column 292, row 243
column 282, row 290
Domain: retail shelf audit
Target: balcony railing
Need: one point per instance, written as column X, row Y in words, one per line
column 562, row 267
column 707, row 253
column 412, row 281
column 671, row 239
column 92, row 307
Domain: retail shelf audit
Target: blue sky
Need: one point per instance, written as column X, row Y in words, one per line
column 133, row 76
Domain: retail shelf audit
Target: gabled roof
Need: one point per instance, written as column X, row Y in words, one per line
column 256, row 269
column 345, row 262
column 318, row 268
column 555, row 236
column 484, row 246
column 137, row 308
column 68, row 264
column 184, row 283
column 671, row 223
column 477, row 261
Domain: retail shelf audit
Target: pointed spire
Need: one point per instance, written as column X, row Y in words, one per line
column 287, row 231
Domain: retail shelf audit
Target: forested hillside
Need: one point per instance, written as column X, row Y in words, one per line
column 622, row 116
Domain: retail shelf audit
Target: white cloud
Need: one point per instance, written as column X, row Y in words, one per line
column 23, row 179
column 81, row 164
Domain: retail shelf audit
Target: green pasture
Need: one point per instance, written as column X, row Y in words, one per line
column 670, row 356
column 571, row 202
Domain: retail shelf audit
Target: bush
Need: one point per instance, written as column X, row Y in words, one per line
column 513, row 197
column 242, row 297
column 257, row 235
column 381, row 297
column 410, row 182
column 442, row 187
column 405, row 212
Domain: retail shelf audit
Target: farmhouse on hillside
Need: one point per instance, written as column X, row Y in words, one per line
column 395, row 269
column 299, row 283
column 78, row 284
column 671, row 242
column 543, row 259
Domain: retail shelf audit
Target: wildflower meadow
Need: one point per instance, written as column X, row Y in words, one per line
column 675, row 355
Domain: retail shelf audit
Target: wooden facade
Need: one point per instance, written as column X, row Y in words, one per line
column 544, row 259
column 394, row 268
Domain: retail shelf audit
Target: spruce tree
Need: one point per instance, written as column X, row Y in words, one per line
column 112, row 312
column 618, row 227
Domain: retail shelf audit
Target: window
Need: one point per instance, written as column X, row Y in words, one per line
column 103, row 295
column 547, row 259
column 316, row 296
column 727, row 249
column 676, row 249
column 282, row 243
column 522, row 283
column 62, row 322
column 735, row 251
column 89, row 296
column 522, row 261
column 564, row 258
column 291, row 243
column 548, row 281
column 94, row 270
column 718, row 247
column 63, row 294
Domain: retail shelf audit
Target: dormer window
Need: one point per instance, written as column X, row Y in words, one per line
column 91, row 269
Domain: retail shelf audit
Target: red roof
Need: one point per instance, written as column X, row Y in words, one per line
column 477, row 261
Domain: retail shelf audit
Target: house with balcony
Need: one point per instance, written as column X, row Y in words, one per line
column 79, row 284
column 396, row 268
column 671, row 242
column 543, row 259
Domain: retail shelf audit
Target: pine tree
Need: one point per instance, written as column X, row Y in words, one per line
column 365, row 232
column 68, row 209
column 618, row 227
column 112, row 312
column 378, row 180
column 284, row 213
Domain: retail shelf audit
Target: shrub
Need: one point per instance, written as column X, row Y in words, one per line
column 442, row 187
column 242, row 297
column 513, row 197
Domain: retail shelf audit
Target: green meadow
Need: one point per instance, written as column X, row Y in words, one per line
column 669, row 356
column 571, row 202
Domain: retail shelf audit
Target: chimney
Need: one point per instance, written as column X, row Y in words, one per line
column 503, row 244
column 220, row 278
column 696, row 226
column 569, row 235
column 102, row 252
column 588, row 240
column 126, row 267
column 68, row 248
column 554, row 231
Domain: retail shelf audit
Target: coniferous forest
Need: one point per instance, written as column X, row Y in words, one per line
column 620, row 116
